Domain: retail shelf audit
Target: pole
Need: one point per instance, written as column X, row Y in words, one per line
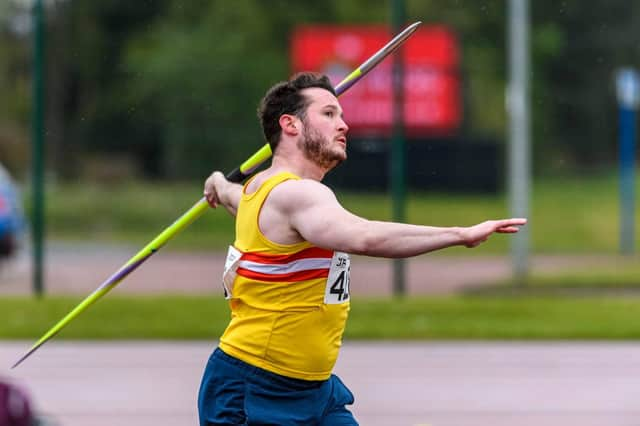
column 398, row 146
column 519, row 146
column 38, row 147
column 627, row 88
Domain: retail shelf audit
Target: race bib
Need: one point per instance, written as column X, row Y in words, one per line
column 337, row 290
column 229, row 274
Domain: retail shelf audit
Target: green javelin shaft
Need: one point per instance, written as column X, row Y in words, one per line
column 201, row 206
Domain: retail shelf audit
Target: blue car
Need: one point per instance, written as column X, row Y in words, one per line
column 11, row 217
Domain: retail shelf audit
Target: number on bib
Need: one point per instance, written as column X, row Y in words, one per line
column 341, row 286
column 337, row 289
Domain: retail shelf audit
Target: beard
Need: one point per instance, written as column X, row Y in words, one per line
column 317, row 148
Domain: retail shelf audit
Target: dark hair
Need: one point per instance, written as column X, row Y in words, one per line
column 285, row 98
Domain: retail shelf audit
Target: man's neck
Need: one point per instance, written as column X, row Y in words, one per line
column 297, row 164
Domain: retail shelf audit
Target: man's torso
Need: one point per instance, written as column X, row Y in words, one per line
column 289, row 302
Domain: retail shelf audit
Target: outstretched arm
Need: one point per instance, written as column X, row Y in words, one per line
column 318, row 217
column 218, row 190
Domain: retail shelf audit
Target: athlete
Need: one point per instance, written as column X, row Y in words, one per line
column 287, row 273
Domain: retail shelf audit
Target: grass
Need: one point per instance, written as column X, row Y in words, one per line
column 448, row 318
column 619, row 278
column 134, row 213
column 577, row 214
column 166, row 317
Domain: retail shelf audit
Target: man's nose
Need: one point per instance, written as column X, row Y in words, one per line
column 342, row 126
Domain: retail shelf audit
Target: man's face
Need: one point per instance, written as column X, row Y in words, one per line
column 324, row 133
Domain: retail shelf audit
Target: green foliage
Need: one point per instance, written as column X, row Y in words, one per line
column 133, row 214
column 14, row 93
column 577, row 49
column 197, row 317
column 172, row 86
column 202, row 69
column 201, row 76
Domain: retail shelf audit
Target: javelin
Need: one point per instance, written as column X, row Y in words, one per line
column 237, row 175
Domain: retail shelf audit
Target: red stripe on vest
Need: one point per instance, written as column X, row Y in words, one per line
column 277, row 259
column 290, row 277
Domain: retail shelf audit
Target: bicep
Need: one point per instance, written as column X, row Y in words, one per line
column 325, row 223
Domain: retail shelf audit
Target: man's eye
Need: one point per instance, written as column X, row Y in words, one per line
column 329, row 113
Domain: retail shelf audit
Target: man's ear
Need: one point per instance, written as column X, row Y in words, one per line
column 289, row 124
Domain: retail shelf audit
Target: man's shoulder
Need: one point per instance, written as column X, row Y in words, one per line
column 299, row 192
column 302, row 186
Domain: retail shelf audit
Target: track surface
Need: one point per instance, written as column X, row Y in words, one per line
column 435, row 384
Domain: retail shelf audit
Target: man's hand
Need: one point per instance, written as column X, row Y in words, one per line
column 212, row 187
column 218, row 190
column 477, row 234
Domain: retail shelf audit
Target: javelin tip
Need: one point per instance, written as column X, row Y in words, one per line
column 411, row 28
column 25, row 356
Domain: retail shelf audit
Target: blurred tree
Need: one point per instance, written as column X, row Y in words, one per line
column 202, row 70
column 480, row 27
column 173, row 86
column 196, row 75
column 577, row 51
column 14, row 89
column 87, row 113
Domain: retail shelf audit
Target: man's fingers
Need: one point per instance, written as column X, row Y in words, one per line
column 508, row 230
column 516, row 221
column 210, row 193
column 485, row 229
column 211, row 199
column 509, row 226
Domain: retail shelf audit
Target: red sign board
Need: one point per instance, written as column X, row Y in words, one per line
column 431, row 81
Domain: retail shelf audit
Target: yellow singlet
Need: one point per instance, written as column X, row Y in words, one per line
column 289, row 303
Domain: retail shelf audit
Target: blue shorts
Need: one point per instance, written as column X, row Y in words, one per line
column 236, row 393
